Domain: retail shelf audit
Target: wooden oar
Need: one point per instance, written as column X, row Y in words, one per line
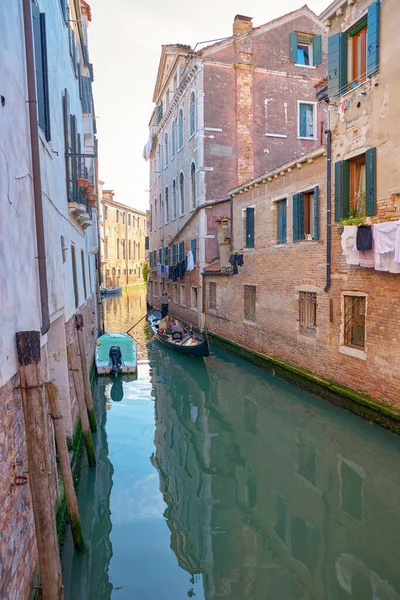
column 146, row 315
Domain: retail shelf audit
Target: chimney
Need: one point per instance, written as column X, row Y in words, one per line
column 241, row 24
column 224, row 241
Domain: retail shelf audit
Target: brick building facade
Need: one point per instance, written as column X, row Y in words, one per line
column 297, row 298
column 224, row 114
column 123, row 231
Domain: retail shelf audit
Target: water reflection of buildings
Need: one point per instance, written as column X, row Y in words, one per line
column 270, row 492
column 85, row 574
column 121, row 312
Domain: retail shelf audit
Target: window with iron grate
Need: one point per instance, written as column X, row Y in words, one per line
column 354, row 321
column 308, row 313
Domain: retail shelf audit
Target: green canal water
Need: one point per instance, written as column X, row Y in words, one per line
column 218, row 480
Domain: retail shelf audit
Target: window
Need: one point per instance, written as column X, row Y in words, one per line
column 123, row 250
column 307, row 120
column 74, row 276
column 166, row 206
column 193, row 298
column 105, row 213
column 83, row 273
column 138, row 222
column 193, row 184
column 174, row 204
column 306, row 49
column 250, row 303
column 249, row 226
column 124, row 271
column 180, row 129
column 362, row 43
column 138, row 250
column 354, row 321
column 134, row 250
column 355, row 186
column 212, row 295
column 181, row 251
column 108, row 273
column 175, row 293
column 194, row 250
column 42, row 83
column 166, row 149
column 129, row 219
column 130, row 250
column 160, row 213
column 182, row 295
column 119, row 272
column 106, row 247
column 173, row 144
column 117, row 215
column 123, row 218
column 192, row 113
column 117, row 248
column 306, row 215
column 166, row 256
column 281, row 222
column 182, row 192
column 308, row 313
column 130, row 271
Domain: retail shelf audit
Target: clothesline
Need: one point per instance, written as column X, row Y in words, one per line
column 175, row 272
column 373, row 246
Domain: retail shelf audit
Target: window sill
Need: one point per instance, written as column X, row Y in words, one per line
column 305, row 66
column 311, row 139
column 361, row 354
column 247, row 322
column 276, row 135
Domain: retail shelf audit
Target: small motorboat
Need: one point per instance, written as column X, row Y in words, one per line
column 184, row 341
column 105, row 291
column 115, row 354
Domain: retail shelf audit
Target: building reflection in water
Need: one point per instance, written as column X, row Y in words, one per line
column 270, row 491
column 86, row 573
column 123, row 311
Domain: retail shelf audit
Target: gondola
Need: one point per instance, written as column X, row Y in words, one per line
column 104, row 291
column 191, row 344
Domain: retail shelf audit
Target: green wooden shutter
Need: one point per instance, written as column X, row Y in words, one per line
column 181, row 251
column 73, row 159
column 316, row 213
column 249, row 227
column 373, row 38
column 193, row 249
column 296, row 233
column 293, row 47
column 370, row 160
column 342, row 189
column 317, row 49
column 301, row 217
column 68, row 147
column 42, row 85
column 337, row 64
column 283, row 221
column 46, row 95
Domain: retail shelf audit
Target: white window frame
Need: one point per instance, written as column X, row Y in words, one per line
column 314, row 105
column 355, row 352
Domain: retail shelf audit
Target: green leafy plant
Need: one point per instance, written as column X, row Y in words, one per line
column 145, row 271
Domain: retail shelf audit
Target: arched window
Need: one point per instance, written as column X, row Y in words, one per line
column 193, row 184
column 138, row 250
column 180, row 129
column 106, row 247
column 166, row 149
column 117, row 248
column 174, row 207
column 130, row 250
column 159, row 158
column 192, row 113
column 123, row 249
column 166, row 206
column 173, row 145
column 182, row 192
column 160, row 213
column 134, row 250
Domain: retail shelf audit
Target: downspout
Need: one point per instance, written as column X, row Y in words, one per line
column 328, row 205
column 37, row 184
column 231, row 241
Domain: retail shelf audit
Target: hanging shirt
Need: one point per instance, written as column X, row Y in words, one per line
column 397, row 244
column 385, row 238
column 158, row 270
column 190, row 261
column 349, row 245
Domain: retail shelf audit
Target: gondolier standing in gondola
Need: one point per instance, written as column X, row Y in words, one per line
column 164, row 298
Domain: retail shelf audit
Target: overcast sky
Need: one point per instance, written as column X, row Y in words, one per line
column 125, row 45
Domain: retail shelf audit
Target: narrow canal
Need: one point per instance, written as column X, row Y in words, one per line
column 218, row 480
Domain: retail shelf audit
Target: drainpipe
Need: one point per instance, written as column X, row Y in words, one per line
column 231, row 242
column 37, row 185
column 328, row 205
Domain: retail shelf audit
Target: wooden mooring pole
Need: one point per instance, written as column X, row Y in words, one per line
column 62, row 448
column 85, row 373
column 87, row 434
column 39, row 463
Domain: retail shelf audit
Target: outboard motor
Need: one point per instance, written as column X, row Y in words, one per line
column 115, row 358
